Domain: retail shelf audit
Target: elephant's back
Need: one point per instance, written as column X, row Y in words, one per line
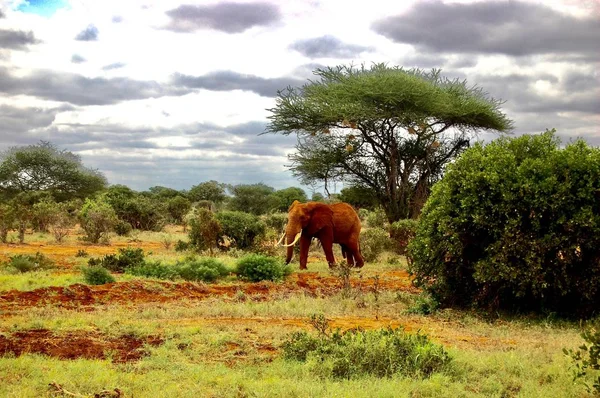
column 345, row 219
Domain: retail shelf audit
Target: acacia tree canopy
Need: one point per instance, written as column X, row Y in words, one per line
column 43, row 167
column 383, row 128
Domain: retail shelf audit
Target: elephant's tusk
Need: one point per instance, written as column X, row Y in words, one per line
column 281, row 240
column 295, row 240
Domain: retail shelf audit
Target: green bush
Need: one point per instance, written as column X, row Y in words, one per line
column 258, row 267
column 357, row 353
column 373, row 242
column 402, row 232
column 29, row 263
column 122, row 228
column 363, row 214
column 275, row 220
column 97, row 219
column 154, row 269
column 377, row 218
column 242, row 227
column 181, row 246
column 97, row 275
column 126, row 258
column 204, row 269
column 514, row 225
column 587, row 358
column 204, row 229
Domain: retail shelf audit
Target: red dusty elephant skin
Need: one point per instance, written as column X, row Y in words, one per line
column 337, row 223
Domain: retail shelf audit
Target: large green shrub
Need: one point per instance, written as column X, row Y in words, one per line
column 204, row 229
column 242, row 227
column 356, row 353
column 402, row 232
column 97, row 219
column 275, row 220
column 258, row 267
column 515, row 224
column 377, row 218
column 204, row 269
column 587, row 358
column 154, row 269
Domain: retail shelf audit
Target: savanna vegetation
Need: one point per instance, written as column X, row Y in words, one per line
column 491, row 290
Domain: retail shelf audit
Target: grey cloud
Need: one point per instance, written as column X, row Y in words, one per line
column 2, row 14
column 228, row 80
column 506, row 27
column 424, row 61
column 228, row 17
column 77, row 59
column 80, row 90
column 16, row 39
column 328, row 46
column 116, row 65
column 117, row 19
column 88, row 34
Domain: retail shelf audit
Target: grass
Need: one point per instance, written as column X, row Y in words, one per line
column 229, row 345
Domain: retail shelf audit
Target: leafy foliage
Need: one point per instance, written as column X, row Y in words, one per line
column 515, row 225
column 125, row 258
column 28, row 263
column 258, row 267
column 204, row 229
column 154, row 269
column 275, row 220
column 383, row 128
column 43, row 167
column 141, row 212
column 358, row 353
column 7, row 221
column 97, row 275
column 285, row 197
column 402, row 233
column 242, row 227
column 373, row 242
column 208, row 190
column 377, row 218
column 178, row 207
column 587, row 358
column 256, row 199
column 97, row 219
column 204, row 269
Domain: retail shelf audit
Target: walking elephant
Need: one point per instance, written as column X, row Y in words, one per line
column 337, row 223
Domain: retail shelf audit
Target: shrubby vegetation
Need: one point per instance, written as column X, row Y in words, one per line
column 258, row 267
column 373, row 242
column 587, row 358
column 515, row 224
column 189, row 269
column 29, row 263
column 97, row 219
column 97, row 275
column 124, row 259
column 358, row 353
column 402, row 232
column 242, row 227
column 205, row 229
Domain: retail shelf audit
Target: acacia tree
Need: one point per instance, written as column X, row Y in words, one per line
column 43, row 167
column 384, row 128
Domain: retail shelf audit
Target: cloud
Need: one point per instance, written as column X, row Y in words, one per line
column 2, row 14
column 328, row 47
column 227, row 17
column 88, row 34
column 228, row 80
column 116, row 65
column 80, row 90
column 18, row 123
column 500, row 27
column 117, row 19
column 77, row 59
column 16, row 39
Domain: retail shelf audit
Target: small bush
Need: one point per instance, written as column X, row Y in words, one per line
column 242, row 227
column 258, row 267
column 205, row 270
column 587, row 358
column 181, row 246
column 81, row 253
column 357, row 353
column 154, row 269
column 424, row 304
column 29, row 263
column 363, row 214
column 122, row 228
column 373, row 242
column 402, row 233
column 97, row 219
column 377, row 218
column 97, row 275
column 126, row 258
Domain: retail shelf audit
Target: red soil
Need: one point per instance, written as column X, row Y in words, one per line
column 74, row 345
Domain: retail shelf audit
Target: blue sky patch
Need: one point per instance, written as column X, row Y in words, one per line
column 42, row 7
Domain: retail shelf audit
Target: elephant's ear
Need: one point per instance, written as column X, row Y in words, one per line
column 294, row 203
column 321, row 214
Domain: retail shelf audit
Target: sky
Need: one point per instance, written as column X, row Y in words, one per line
column 176, row 93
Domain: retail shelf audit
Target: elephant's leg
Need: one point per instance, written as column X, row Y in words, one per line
column 304, row 246
column 327, row 243
column 347, row 254
column 355, row 252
